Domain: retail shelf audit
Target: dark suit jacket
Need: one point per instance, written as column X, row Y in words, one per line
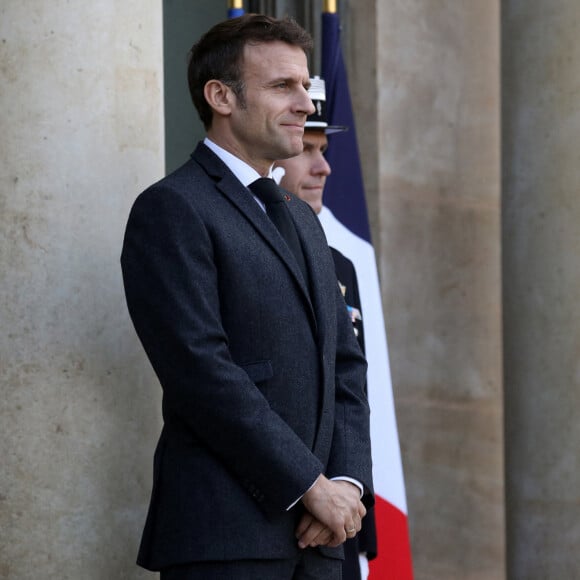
column 262, row 377
column 366, row 539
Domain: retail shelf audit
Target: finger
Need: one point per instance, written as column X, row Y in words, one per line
column 322, row 539
column 362, row 510
column 310, row 534
column 351, row 530
column 337, row 540
column 305, row 522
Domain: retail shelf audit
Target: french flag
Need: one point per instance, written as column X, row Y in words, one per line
column 345, row 222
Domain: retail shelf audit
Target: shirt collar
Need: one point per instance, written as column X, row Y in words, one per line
column 239, row 168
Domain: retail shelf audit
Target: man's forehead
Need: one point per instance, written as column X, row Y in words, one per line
column 276, row 52
column 272, row 44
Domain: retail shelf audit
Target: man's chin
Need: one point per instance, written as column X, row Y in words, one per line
column 295, row 147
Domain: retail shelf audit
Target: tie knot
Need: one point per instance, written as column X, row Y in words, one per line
column 266, row 190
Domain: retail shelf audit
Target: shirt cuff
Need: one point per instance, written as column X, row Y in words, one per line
column 350, row 480
column 338, row 478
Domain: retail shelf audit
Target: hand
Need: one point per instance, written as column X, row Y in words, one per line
column 335, row 505
column 311, row 532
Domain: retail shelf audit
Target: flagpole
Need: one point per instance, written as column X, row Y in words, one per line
column 329, row 7
column 235, row 8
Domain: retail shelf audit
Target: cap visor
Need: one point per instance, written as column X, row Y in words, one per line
column 335, row 129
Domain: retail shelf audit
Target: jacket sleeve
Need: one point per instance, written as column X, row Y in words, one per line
column 351, row 453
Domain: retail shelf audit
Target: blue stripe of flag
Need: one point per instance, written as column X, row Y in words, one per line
column 235, row 12
column 344, row 190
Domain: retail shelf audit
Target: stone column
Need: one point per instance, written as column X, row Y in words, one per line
column 435, row 197
column 82, row 134
column 541, row 279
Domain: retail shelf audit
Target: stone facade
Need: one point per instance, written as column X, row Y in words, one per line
column 82, row 133
column 476, row 251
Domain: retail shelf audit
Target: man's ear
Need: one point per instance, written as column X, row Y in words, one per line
column 219, row 97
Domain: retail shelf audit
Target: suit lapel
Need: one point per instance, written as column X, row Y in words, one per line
column 227, row 183
column 311, row 236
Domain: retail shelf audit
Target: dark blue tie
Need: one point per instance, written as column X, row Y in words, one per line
column 271, row 196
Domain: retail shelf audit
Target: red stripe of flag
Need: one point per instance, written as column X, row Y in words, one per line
column 392, row 544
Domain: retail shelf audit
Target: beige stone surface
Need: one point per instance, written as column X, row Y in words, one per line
column 81, row 135
column 436, row 226
column 457, row 499
column 541, row 245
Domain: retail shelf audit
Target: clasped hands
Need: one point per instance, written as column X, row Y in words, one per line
column 334, row 514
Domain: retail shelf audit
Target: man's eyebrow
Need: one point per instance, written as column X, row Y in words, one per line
column 291, row 80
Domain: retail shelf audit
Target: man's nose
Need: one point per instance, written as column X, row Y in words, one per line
column 306, row 103
column 321, row 166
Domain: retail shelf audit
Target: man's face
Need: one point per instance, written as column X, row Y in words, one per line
column 306, row 173
column 269, row 124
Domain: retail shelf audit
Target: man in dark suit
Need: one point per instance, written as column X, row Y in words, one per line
column 305, row 176
column 263, row 468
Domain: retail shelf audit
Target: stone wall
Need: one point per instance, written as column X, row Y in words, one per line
column 541, row 274
column 431, row 147
column 82, row 134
